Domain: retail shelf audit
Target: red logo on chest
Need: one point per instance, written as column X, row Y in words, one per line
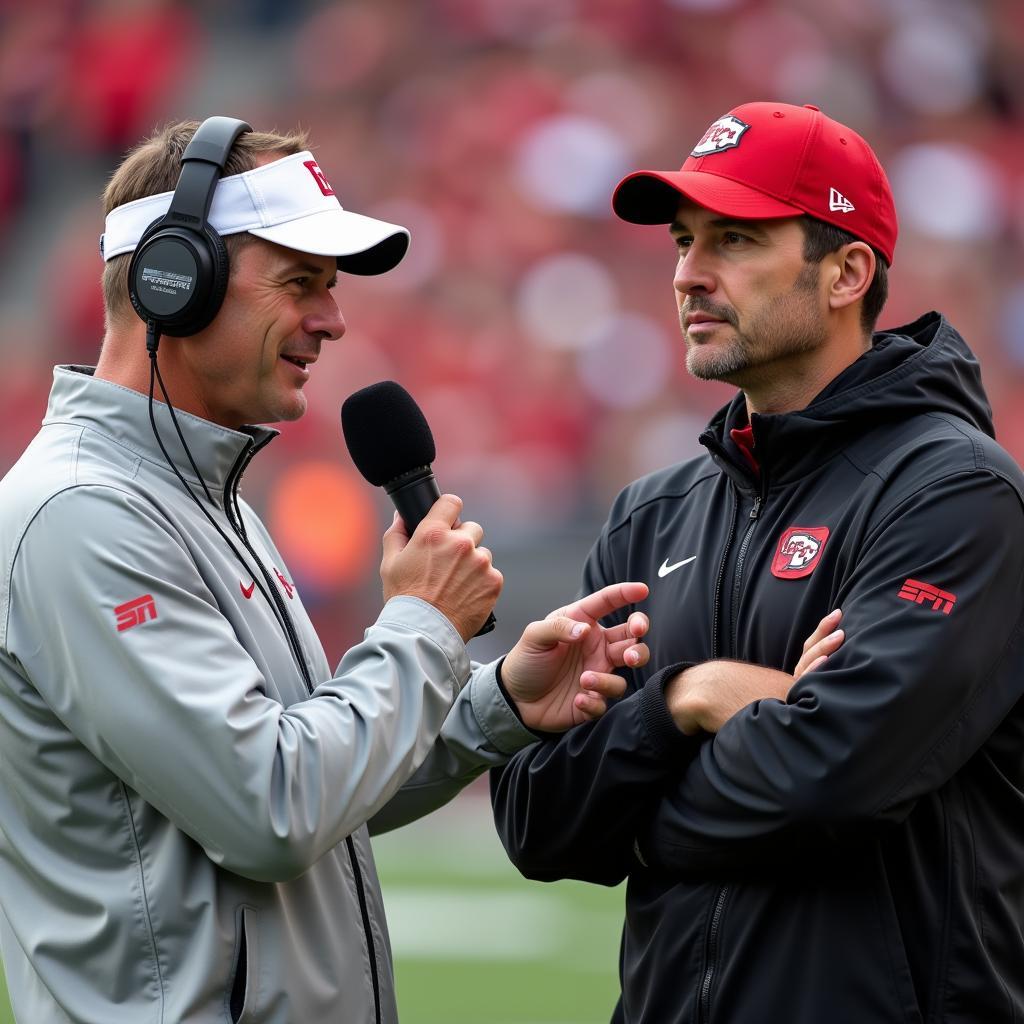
column 799, row 552
column 288, row 586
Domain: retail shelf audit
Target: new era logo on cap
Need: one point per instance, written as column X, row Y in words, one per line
column 838, row 203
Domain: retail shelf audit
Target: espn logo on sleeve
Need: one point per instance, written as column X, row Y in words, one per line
column 134, row 613
column 922, row 593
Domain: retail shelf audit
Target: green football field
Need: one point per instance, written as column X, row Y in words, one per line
column 477, row 944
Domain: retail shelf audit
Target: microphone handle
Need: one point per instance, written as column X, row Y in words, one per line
column 413, row 494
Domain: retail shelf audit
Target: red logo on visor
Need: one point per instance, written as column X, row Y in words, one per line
column 799, row 552
column 318, row 177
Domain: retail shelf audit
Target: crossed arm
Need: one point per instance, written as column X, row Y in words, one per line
column 704, row 697
column 572, row 808
column 900, row 705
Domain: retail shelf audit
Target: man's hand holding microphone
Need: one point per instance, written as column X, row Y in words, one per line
column 442, row 563
column 562, row 670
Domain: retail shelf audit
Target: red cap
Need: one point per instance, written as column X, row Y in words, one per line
column 766, row 160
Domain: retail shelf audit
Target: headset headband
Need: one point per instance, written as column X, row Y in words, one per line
column 202, row 164
column 179, row 269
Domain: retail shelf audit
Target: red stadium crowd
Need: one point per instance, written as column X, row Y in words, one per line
column 537, row 331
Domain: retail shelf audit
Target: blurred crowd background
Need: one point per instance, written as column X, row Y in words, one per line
column 538, row 333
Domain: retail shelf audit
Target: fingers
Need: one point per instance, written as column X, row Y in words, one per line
column 545, row 634
column 589, row 706
column 820, row 645
column 611, row 598
column 472, row 530
column 627, row 654
column 603, row 684
column 443, row 564
column 818, row 654
column 635, row 627
column 395, row 537
column 444, row 512
column 827, row 624
column 442, row 519
column 597, row 689
column 446, row 508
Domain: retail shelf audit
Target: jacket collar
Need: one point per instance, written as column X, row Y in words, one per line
column 924, row 367
column 121, row 414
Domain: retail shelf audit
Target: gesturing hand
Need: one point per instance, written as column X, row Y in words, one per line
column 561, row 672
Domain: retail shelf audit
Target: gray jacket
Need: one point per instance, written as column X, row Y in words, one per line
column 176, row 808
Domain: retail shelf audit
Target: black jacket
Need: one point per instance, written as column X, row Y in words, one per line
column 856, row 854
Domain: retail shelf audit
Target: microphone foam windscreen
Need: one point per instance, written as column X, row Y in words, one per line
column 386, row 432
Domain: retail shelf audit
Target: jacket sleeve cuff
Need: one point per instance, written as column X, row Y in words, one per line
column 496, row 712
column 665, row 736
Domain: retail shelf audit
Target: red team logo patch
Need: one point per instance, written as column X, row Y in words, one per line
column 799, row 552
column 725, row 133
column 318, row 177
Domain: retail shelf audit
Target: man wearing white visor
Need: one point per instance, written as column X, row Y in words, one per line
column 187, row 787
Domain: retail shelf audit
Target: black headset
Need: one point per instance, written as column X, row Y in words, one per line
column 176, row 281
column 179, row 270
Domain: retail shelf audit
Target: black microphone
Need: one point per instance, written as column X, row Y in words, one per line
column 391, row 445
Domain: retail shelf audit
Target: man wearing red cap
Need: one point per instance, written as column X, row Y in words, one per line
column 820, row 831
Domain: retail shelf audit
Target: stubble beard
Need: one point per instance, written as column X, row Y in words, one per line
column 786, row 326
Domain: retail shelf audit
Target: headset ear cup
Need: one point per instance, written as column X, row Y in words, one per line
column 178, row 274
column 220, row 268
column 211, row 285
column 178, row 278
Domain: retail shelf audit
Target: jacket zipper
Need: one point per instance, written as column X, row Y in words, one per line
column 711, row 943
column 231, row 498
column 364, row 911
column 738, row 575
column 716, row 651
column 711, row 960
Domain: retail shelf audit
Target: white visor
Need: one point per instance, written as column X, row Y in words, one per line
column 289, row 202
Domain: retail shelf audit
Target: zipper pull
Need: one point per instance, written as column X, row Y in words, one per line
column 756, row 510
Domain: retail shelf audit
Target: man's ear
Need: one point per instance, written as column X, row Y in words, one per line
column 853, row 270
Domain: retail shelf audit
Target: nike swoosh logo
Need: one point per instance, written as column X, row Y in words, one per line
column 247, row 591
column 666, row 568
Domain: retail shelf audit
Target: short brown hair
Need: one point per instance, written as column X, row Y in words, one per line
column 820, row 239
column 154, row 166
